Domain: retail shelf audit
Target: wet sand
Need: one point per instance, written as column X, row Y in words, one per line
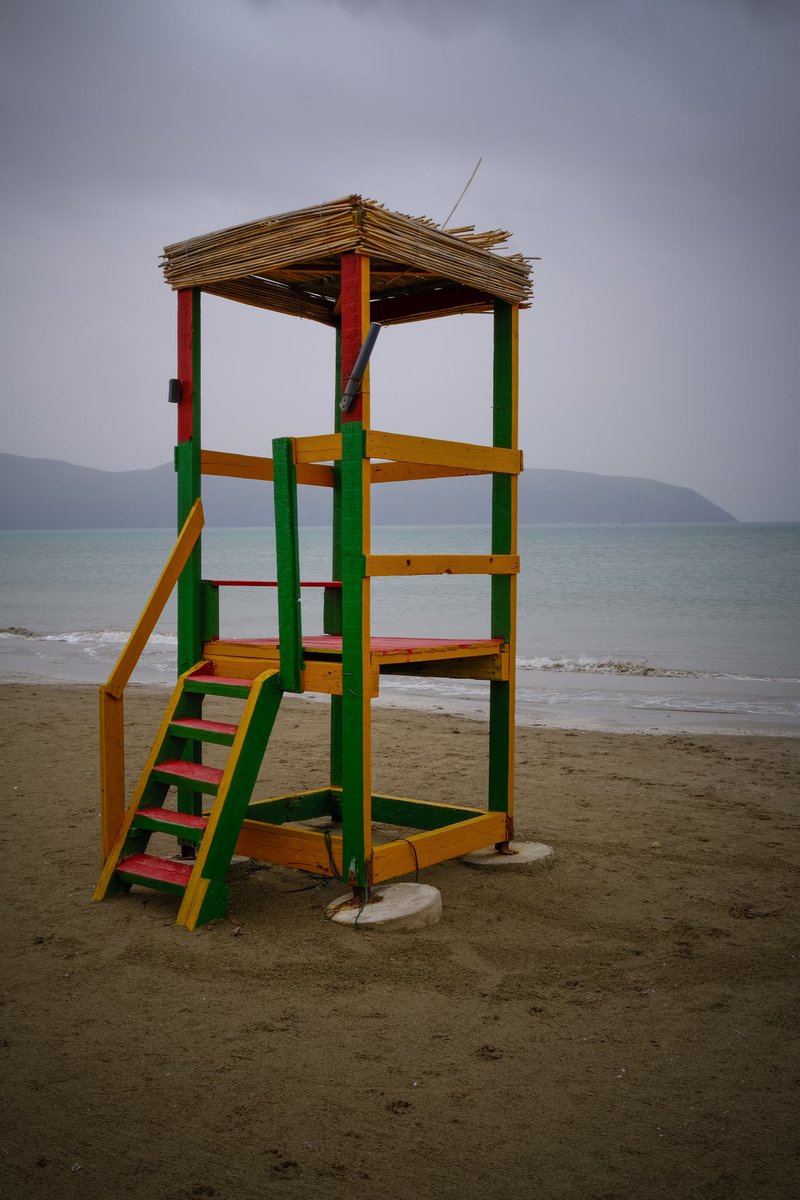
column 622, row 1025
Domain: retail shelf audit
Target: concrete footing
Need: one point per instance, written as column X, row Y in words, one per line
column 527, row 857
column 391, row 906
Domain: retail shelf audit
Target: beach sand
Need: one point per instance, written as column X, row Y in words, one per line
column 621, row 1025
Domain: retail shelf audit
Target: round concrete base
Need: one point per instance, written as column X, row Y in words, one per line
column 527, row 856
column 391, row 906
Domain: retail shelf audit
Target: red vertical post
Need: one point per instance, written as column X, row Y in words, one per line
column 354, row 325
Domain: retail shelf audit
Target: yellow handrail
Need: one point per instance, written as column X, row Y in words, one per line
column 112, row 718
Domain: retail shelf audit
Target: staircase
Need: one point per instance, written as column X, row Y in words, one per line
column 174, row 763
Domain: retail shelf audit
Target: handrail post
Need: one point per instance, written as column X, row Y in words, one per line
column 112, row 713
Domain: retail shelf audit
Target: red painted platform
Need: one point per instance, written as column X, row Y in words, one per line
column 327, row 643
column 206, row 726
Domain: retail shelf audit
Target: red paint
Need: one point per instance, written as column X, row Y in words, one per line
column 332, row 644
column 334, row 583
column 147, row 866
column 168, row 815
column 207, row 726
column 352, row 326
column 188, row 770
column 185, row 363
column 428, row 303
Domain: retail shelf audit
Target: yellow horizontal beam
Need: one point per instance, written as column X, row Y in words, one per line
column 320, row 448
column 251, row 466
column 441, row 564
column 437, row 845
column 317, row 676
column 287, row 846
column 434, row 452
column 394, row 472
column 487, row 666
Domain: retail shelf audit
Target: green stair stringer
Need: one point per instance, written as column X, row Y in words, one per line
column 149, row 792
column 206, row 895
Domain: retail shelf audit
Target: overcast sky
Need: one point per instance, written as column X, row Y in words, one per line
column 647, row 151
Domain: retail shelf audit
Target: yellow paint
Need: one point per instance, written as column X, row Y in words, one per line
column 250, row 466
column 437, row 845
column 436, row 452
column 393, row 472
column 112, row 768
column 319, row 448
column 287, row 846
column 442, row 564
column 487, row 666
column 179, row 556
column 124, row 829
column 197, row 886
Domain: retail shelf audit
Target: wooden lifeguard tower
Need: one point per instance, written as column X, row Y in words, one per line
column 348, row 264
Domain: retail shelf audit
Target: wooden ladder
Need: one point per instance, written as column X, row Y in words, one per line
column 172, row 764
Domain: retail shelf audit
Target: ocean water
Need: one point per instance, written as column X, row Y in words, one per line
column 625, row 626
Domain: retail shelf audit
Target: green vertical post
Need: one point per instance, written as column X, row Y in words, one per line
column 332, row 617
column 504, row 541
column 187, row 465
column 287, row 552
column 353, row 755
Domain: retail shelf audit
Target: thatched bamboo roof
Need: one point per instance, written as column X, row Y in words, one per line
column 291, row 263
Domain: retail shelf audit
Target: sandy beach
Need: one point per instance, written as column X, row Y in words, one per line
column 622, row 1025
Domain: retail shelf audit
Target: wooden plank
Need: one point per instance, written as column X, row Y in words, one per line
column 441, row 564
column 287, row 550
column 504, row 541
column 322, row 677
column 487, row 666
column 251, row 466
column 187, row 463
column 439, row 845
column 355, row 298
column 295, row 806
column 287, row 846
column 395, row 472
column 112, row 768
column 419, row 814
column 319, row 448
column 404, row 448
column 173, row 568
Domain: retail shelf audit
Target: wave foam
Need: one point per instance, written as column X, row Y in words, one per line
column 606, row 666
column 104, row 637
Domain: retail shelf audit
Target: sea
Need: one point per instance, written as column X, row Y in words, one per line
column 648, row 628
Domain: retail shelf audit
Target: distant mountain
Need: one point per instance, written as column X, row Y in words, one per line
column 44, row 493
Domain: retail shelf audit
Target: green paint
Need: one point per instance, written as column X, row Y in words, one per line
column 190, row 634
column 191, row 785
column 332, row 615
column 352, row 730
column 502, row 615
column 304, row 806
column 207, row 687
column 154, row 825
column 209, row 611
column 411, row 814
column 244, row 774
column 287, row 550
column 212, row 736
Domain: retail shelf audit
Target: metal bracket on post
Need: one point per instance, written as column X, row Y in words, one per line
column 357, row 374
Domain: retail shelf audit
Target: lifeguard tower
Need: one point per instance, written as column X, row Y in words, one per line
column 350, row 264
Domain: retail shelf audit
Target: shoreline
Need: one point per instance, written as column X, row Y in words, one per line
column 635, row 1003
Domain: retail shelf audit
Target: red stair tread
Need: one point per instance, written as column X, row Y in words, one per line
column 187, row 770
column 148, row 866
column 187, row 820
column 208, row 726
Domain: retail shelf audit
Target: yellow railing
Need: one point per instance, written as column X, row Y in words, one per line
column 112, row 713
